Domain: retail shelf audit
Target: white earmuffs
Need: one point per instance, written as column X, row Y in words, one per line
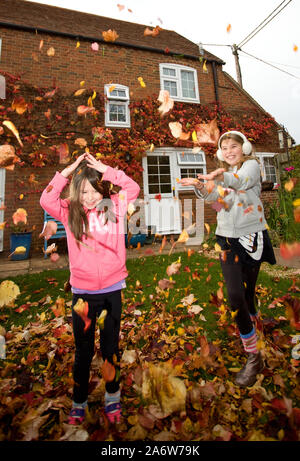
column 246, row 147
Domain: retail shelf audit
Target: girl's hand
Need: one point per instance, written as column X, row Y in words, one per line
column 214, row 175
column 96, row 164
column 69, row 169
column 191, row 182
column 188, row 181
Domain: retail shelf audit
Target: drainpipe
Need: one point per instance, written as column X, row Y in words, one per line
column 216, row 83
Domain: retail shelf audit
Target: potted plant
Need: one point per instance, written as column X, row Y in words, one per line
column 20, row 236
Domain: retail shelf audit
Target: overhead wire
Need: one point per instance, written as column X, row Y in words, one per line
column 269, row 64
column 263, row 24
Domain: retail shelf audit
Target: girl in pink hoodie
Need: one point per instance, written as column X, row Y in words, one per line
column 94, row 223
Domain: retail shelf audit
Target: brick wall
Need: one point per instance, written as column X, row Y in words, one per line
column 111, row 64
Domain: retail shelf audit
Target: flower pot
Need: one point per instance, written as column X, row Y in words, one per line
column 22, row 239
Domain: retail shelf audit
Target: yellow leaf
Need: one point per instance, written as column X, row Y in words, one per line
column 82, row 82
column 296, row 202
column 180, row 331
column 14, row 130
column 142, row 83
column 101, row 319
column 20, row 250
column 77, row 44
column 217, row 247
column 194, row 136
column 94, row 95
column 9, row 291
column 79, row 92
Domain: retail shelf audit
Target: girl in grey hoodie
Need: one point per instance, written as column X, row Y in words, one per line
column 241, row 234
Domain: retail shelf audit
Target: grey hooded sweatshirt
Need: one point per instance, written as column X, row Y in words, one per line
column 238, row 196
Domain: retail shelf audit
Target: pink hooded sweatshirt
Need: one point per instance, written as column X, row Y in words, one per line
column 100, row 260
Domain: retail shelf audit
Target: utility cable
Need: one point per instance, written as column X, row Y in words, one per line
column 269, row 64
column 263, row 24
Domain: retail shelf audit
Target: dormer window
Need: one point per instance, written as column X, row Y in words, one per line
column 117, row 112
column 180, row 81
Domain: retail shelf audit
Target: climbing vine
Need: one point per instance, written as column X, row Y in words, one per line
column 54, row 128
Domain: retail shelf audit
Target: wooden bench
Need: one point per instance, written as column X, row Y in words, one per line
column 60, row 233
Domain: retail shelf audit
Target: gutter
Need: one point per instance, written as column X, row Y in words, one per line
column 98, row 39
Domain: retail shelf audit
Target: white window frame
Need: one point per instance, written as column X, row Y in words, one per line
column 177, row 79
column 261, row 156
column 118, row 100
column 184, row 162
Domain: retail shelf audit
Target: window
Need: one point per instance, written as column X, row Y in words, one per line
column 191, row 164
column 117, row 106
column 180, row 81
column 159, row 174
column 268, row 167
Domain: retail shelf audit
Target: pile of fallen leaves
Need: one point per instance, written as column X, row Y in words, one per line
column 176, row 384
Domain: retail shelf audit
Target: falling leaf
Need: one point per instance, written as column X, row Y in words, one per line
column 51, row 51
column 80, row 142
column 110, row 35
column 176, row 130
column 9, row 291
column 7, row 156
column 142, row 83
column 108, row 371
column 158, row 197
column 63, row 153
column 289, row 250
column 204, row 67
column 95, row 46
column 82, row 308
column 41, row 45
column 79, row 92
column 295, row 48
column 54, row 257
column 101, row 319
column 83, row 110
column 121, row 7
column 20, row 216
column 167, row 102
column 19, row 105
column 77, row 45
column 153, row 33
column 208, row 133
column 14, row 130
column 228, row 28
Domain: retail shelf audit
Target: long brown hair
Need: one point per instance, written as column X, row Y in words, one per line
column 78, row 221
column 240, row 140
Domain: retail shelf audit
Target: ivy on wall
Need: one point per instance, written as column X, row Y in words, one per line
column 54, row 127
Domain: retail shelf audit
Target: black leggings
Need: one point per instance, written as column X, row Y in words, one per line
column 240, row 282
column 85, row 341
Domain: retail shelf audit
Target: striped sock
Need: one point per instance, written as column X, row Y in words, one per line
column 250, row 342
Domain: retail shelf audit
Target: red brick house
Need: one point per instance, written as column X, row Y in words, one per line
column 48, row 53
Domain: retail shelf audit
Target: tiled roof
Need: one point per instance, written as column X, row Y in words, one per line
column 25, row 14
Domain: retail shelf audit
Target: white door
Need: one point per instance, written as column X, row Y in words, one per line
column 2, row 194
column 162, row 206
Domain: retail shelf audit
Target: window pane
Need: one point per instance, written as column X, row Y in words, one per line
column 188, row 84
column 165, row 179
column 153, row 179
column 164, row 160
column 152, row 160
column 171, row 87
column 168, row 71
column 152, row 169
column 154, row 189
column 165, row 188
column 191, row 158
column 117, row 113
